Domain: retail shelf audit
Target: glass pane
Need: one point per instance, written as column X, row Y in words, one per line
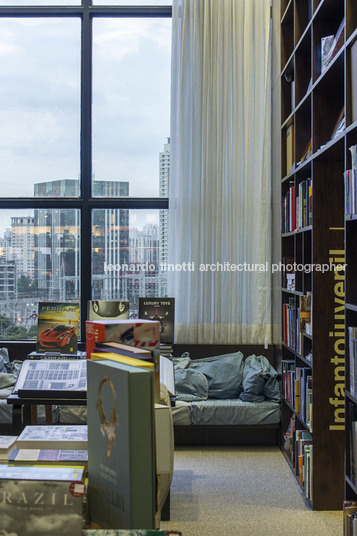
column 131, row 101
column 39, row 261
column 40, row 103
column 40, row 2
column 129, row 255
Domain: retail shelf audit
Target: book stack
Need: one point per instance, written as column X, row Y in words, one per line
column 165, row 349
column 304, row 449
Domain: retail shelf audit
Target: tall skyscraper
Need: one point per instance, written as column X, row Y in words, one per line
column 164, row 161
column 57, row 242
column 21, row 248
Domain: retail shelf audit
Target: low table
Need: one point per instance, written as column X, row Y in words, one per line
column 25, row 409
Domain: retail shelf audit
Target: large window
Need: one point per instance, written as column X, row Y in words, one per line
column 85, row 154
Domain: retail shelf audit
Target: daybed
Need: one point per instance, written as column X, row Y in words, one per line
column 226, row 395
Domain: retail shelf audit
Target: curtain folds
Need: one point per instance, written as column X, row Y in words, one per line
column 220, row 173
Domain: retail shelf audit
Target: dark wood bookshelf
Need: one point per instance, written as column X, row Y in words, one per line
column 315, row 98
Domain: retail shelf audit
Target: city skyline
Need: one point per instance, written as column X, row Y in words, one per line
column 40, row 252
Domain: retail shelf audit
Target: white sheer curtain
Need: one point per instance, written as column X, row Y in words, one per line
column 220, row 182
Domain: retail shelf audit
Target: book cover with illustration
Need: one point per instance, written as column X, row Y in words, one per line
column 121, row 453
column 41, row 500
column 162, row 310
column 100, row 309
column 138, row 333
column 57, row 328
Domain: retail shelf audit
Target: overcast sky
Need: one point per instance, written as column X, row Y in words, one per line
column 40, row 96
column 39, row 116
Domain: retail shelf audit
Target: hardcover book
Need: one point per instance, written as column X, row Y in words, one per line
column 138, row 333
column 114, row 309
column 124, row 349
column 163, row 310
column 41, row 500
column 48, row 456
column 56, row 355
column 53, row 437
column 154, row 365
column 121, row 453
column 52, row 379
column 57, row 328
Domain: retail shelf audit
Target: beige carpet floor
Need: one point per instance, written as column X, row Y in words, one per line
column 241, row 491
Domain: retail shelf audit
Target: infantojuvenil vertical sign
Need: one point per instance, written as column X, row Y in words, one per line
column 337, row 361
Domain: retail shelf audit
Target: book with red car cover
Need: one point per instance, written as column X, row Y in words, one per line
column 57, row 328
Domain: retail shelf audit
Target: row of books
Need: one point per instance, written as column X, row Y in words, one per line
column 297, row 389
column 350, row 177
column 296, row 321
column 352, row 351
column 44, row 470
column 298, row 445
column 58, row 322
column 296, row 210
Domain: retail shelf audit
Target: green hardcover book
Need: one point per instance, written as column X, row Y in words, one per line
column 121, row 450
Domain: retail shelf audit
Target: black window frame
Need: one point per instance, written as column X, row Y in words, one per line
column 85, row 203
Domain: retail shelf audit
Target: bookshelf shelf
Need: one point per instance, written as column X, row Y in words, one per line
column 318, row 127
